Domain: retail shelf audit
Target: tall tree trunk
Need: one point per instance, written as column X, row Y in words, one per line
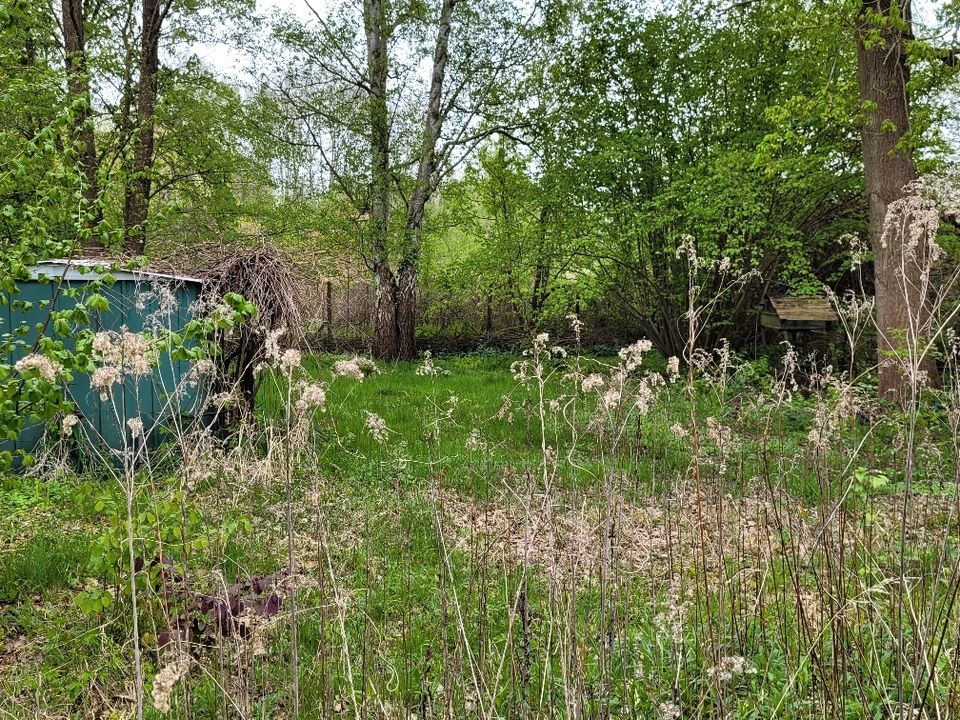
column 84, row 140
column 541, row 273
column 888, row 167
column 131, row 59
column 406, row 311
column 137, row 194
column 425, row 185
column 395, row 314
column 385, row 335
column 386, row 339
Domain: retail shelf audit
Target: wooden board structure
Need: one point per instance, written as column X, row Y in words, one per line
column 786, row 312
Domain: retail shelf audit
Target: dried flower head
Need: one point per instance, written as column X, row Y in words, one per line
column 917, row 220
column 271, row 343
column 592, row 382
column 520, row 370
column 505, row 411
column 632, row 355
column 312, row 395
column 161, row 294
column 103, row 380
column 136, row 426
column 289, row 360
column 348, row 369
column 368, row 366
column 169, row 675
column 68, row 423
column 130, row 352
column 46, row 368
column 673, row 368
column 673, row 615
column 103, row 347
column 203, row 368
column 669, row 711
column 356, row 368
column 858, row 249
column 610, row 400
column 687, row 247
column 427, row 368
column 475, row 441
column 644, row 397
column 730, row 667
column 377, row 427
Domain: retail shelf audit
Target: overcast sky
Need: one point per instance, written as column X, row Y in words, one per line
column 924, row 8
column 296, row 6
column 232, row 64
column 235, row 65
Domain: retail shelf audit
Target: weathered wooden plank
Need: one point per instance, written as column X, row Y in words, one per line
column 803, row 309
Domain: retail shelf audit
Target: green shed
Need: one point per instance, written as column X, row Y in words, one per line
column 139, row 300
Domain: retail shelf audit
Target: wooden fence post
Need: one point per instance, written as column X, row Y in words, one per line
column 329, row 291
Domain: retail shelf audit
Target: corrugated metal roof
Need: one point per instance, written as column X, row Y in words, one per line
column 70, row 270
column 798, row 309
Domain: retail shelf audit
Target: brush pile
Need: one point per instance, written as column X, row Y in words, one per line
column 265, row 278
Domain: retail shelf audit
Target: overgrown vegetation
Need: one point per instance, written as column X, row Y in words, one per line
column 692, row 520
column 455, row 567
column 556, row 533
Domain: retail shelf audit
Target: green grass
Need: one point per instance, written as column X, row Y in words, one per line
column 43, row 563
column 402, row 397
column 431, row 417
column 414, row 599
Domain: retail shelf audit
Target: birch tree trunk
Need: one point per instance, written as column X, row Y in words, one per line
column 424, row 188
column 395, row 310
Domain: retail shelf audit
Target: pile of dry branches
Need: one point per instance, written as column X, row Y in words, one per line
column 265, row 278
